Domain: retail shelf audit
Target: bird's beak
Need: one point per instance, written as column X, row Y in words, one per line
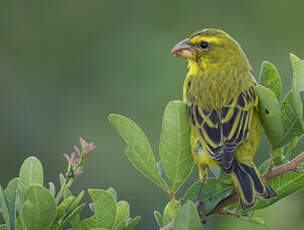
column 183, row 49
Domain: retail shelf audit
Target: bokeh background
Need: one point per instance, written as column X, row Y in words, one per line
column 66, row 64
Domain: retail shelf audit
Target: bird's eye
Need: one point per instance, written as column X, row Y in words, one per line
column 204, row 44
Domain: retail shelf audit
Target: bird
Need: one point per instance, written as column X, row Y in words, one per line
column 221, row 100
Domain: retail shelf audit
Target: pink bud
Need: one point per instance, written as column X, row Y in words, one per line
column 83, row 143
column 91, row 147
column 78, row 172
column 67, row 157
column 77, row 150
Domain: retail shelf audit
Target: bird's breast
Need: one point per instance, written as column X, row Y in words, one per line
column 213, row 90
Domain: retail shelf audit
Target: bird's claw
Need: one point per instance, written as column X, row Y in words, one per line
column 200, row 210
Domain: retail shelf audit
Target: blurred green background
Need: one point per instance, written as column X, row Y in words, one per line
column 66, row 64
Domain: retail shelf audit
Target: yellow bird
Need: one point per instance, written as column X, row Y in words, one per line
column 220, row 95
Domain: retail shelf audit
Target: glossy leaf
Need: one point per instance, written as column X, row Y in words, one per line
column 270, row 78
column 214, row 191
column 31, row 172
column 188, row 218
column 291, row 123
column 139, row 150
column 298, row 85
column 269, row 110
column 105, row 211
column 174, row 147
column 39, row 211
column 284, row 185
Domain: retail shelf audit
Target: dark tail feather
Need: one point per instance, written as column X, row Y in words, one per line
column 249, row 183
column 262, row 189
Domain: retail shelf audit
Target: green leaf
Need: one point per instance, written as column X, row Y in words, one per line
column 132, row 222
column 66, row 192
column 264, row 166
column 76, row 219
column 298, row 85
column 270, row 78
column 31, row 172
column 123, row 211
column 67, row 219
column 253, row 219
column 174, row 147
column 62, row 209
column 19, row 203
column 214, row 191
column 52, row 188
column 4, row 209
column 291, row 123
column 139, row 150
column 302, row 101
column 3, row 227
column 39, row 211
column 61, row 179
column 127, row 224
column 170, row 212
column 284, row 185
column 10, row 194
column 162, row 173
column 188, row 218
column 113, row 192
column 159, row 218
column 105, row 211
column 269, row 110
column 98, row 229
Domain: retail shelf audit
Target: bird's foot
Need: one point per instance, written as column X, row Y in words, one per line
column 200, row 210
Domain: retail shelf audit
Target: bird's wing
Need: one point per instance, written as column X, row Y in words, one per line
column 224, row 130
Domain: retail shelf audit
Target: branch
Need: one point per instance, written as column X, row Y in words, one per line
column 290, row 166
column 270, row 174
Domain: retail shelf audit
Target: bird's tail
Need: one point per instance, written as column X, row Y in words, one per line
column 249, row 184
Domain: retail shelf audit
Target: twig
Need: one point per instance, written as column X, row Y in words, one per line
column 270, row 174
column 290, row 166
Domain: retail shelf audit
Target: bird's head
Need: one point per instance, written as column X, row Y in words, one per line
column 211, row 49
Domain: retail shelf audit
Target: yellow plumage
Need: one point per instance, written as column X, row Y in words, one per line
column 222, row 108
